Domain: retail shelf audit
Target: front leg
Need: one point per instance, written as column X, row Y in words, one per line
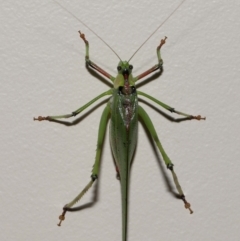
column 155, row 67
column 90, row 63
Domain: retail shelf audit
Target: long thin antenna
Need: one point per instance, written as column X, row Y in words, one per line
column 158, row 28
column 87, row 27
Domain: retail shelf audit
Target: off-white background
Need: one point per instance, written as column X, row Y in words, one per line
column 44, row 165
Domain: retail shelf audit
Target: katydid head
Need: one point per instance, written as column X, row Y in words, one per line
column 124, row 68
column 124, row 80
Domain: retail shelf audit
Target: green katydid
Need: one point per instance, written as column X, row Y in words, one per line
column 123, row 111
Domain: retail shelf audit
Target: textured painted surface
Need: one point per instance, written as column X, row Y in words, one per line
column 43, row 165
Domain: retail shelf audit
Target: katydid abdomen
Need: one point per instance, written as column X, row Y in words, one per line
column 123, row 139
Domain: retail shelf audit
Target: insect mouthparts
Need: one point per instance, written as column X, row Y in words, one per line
column 125, row 72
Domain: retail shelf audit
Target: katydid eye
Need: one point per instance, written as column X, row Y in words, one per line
column 130, row 67
column 119, row 68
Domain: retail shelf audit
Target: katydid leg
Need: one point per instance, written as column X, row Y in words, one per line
column 92, row 64
column 171, row 109
column 76, row 112
column 95, row 170
column 155, row 67
column 150, row 127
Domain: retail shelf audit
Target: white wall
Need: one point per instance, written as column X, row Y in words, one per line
column 44, row 165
